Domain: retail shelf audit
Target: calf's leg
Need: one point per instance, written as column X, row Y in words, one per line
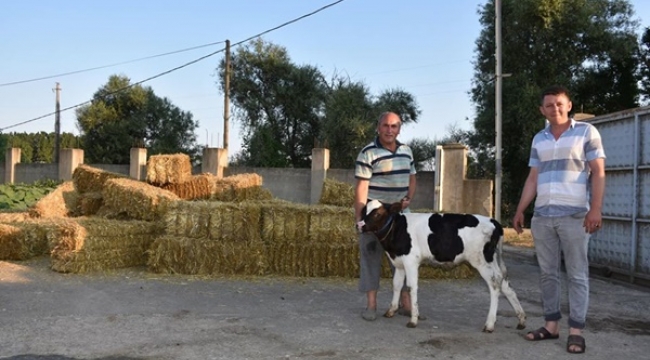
column 514, row 302
column 492, row 276
column 398, row 282
column 412, row 282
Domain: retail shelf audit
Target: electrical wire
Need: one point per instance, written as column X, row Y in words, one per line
column 111, row 65
column 178, row 67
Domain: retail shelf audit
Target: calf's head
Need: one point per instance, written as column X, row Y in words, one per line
column 377, row 216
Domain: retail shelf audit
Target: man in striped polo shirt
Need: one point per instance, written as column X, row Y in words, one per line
column 384, row 171
column 567, row 177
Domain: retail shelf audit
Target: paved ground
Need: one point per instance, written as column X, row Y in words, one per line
column 133, row 314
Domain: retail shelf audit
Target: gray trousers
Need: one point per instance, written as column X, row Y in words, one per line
column 371, row 254
column 554, row 236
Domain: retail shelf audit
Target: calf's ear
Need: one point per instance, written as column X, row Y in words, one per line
column 396, row 207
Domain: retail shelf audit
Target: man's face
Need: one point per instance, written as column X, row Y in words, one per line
column 388, row 129
column 556, row 108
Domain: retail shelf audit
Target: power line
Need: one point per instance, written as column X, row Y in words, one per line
column 179, row 67
column 111, row 65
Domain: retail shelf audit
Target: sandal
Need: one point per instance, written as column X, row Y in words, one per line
column 576, row 341
column 542, row 334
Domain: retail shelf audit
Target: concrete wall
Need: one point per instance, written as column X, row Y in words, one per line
column 301, row 185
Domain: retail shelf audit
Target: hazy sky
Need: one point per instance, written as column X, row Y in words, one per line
column 425, row 47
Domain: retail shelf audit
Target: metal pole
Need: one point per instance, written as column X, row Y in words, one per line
column 57, row 124
column 226, row 98
column 498, row 91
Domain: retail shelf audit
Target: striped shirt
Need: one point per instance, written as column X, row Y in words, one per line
column 387, row 171
column 563, row 168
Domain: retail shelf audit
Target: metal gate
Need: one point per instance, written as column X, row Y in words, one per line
column 622, row 246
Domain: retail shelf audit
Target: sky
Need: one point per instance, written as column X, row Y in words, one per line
column 425, row 47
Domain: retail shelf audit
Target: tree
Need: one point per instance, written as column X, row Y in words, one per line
column 644, row 64
column 122, row 116
column 286, row 109
column 585, row 45
column 277, row 98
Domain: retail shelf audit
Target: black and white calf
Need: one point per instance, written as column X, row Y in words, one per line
column 409, row 239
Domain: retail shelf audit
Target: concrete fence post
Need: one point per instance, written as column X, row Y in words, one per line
column 320, row 162
column 215, row 160
column 12, row 157
column 138, row 163
column 453, row 165
column 69, row 159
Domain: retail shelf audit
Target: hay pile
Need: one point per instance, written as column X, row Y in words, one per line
column 196, row 188
column 337, row 193
column 136, row 199
column 168, row 169
column 61, row 202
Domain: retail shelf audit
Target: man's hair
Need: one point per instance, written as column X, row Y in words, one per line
column 386, row 113
column 555, row 90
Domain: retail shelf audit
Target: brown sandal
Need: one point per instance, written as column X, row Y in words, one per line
column 542, row 334
column 575, row 341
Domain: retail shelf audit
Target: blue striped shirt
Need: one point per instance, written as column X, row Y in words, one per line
column 387, row 171
column 563, row 168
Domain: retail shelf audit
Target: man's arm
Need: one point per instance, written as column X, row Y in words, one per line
column 527, row 196
column 597, row 178
column 360, row 198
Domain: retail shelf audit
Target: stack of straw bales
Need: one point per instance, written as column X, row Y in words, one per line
column 89, row 183
column 209, row 237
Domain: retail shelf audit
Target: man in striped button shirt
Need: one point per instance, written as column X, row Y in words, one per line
column 384, row 171
column 567, row 177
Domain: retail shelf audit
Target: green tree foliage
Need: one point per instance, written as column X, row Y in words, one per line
column 588, row 46
column 122, row 116
column 37, row 147
column 644, row 66
column 286, row 109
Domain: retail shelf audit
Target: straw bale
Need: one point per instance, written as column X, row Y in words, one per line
column 12, row 241
column 197, row 187
column 136, row 199
column 285, row 222
column 11, row 217
column 188, row 219
column 34, row 237
column 91, row 244
column 91, row 179
column 169, row 169
column 337, row 193
column 314, row 260
column 68, row 261
column 90, row 202
column 240, row 187
column 204, row 256
column 238, row 222
column 332, row 224
column 60, row 202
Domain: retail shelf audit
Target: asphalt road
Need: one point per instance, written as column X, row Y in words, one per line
column 133, row 314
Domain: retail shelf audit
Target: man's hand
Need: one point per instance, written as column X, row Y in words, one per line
column 518, row 222
column 360, row 225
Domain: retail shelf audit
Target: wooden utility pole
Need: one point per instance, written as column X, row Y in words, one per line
column 226, row 97
column 57, row 123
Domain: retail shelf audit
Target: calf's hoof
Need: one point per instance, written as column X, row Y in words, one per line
column 411, row 325
column 521, row 326
column 389, row 314
column 488, row 330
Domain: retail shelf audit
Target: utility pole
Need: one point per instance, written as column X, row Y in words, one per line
column 226, row 97
column 57, row 123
